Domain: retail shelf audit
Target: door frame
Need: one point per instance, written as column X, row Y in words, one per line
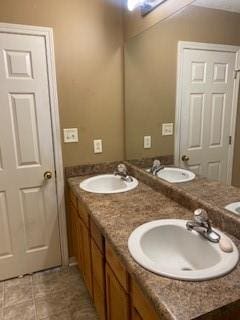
column 183, row 45
column 47, row 33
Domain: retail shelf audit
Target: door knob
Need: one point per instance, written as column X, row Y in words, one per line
column 47, row 175
column 185, row 158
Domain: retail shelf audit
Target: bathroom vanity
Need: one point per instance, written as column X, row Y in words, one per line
column 99, row 228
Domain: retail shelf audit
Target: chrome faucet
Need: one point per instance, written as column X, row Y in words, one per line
column 156, row 167
column 202, row 225
column 123, row 173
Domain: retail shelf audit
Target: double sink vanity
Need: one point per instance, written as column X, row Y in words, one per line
column 142, row 252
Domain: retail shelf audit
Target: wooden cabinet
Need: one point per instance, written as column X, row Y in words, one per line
column 135, row 315
column 117, row 287
column 86, row 257
column 74, row 231
column 80, row 239
column 71, row 214
column 142, row 309
column 104, row 274
column 118, row 267
column 78, row 243
column 97, row 236
column 83, row 214
column 98, row 276
column 116, row 296
column 117, row 299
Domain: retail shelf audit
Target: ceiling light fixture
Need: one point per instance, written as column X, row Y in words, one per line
column 133, row 4
column 146, row 6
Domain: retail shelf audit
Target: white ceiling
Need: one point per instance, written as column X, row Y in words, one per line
column 228, row 5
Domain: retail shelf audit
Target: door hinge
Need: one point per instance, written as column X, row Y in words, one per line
column 230, row 140
column 55, row 172
column 235, row 72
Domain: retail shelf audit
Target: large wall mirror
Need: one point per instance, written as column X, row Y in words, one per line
column 181, row 90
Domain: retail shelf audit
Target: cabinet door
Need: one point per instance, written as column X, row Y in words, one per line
column 98, row 276
column 135, row 315
column 142, row 307
column 74, row 230
column 98, row 265
column 99, row 300
column 82, row 248
column 117, row 298
column 117, row 267
column 78, row 245
column 69, row 222
column 87, row 267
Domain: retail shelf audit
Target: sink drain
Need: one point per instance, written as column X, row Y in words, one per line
column 186, row 269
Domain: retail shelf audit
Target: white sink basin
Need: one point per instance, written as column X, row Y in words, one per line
column 107, row 183
column 234, row 207
column 176, row 175
column 167, row 248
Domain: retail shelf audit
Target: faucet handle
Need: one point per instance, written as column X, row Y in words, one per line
column 201, row 216
column 121, row 168
column 156, row 163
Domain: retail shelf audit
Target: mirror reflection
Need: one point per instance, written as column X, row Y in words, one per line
column 181, row 91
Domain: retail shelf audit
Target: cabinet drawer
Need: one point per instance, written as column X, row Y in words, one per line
column 97, row 236
column 98, row 266
column 117, row 267
column 143, row 307
column 83, row 213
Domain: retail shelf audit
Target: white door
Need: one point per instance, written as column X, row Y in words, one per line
column 207, row 85
column 29, row 231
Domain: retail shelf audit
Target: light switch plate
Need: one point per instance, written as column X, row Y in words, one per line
column 97, row 145
column 167, row 129
column 70, row 135
column 147, row 142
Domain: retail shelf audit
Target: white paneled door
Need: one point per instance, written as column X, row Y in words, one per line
column 29, row 231
column 207, row 87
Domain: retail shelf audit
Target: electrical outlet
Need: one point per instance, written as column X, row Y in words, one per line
column 167, row 129
column 70, row 135
column 97, row 145
column 147, row 142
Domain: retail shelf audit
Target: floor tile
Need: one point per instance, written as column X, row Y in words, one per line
column 56, row 303
column 41, row 276
column 53, row 282
column 58, row 294
column 62, row 301
column 85, row 312
column 41, row 289
column 62, row 316
column 23, row 311
column 43, row 282
column 26, row 280
column 1, row 290
column 17, row 294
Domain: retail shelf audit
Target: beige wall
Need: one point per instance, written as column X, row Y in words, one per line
column 88, row 38
column 151, row 63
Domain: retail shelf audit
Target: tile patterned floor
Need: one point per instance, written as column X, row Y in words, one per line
column 57, row 294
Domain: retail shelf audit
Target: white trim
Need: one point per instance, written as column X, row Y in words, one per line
column 182, row 45
column 47, row 33
column 233, row 121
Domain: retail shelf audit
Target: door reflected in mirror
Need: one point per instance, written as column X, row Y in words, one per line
column 181, row 91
